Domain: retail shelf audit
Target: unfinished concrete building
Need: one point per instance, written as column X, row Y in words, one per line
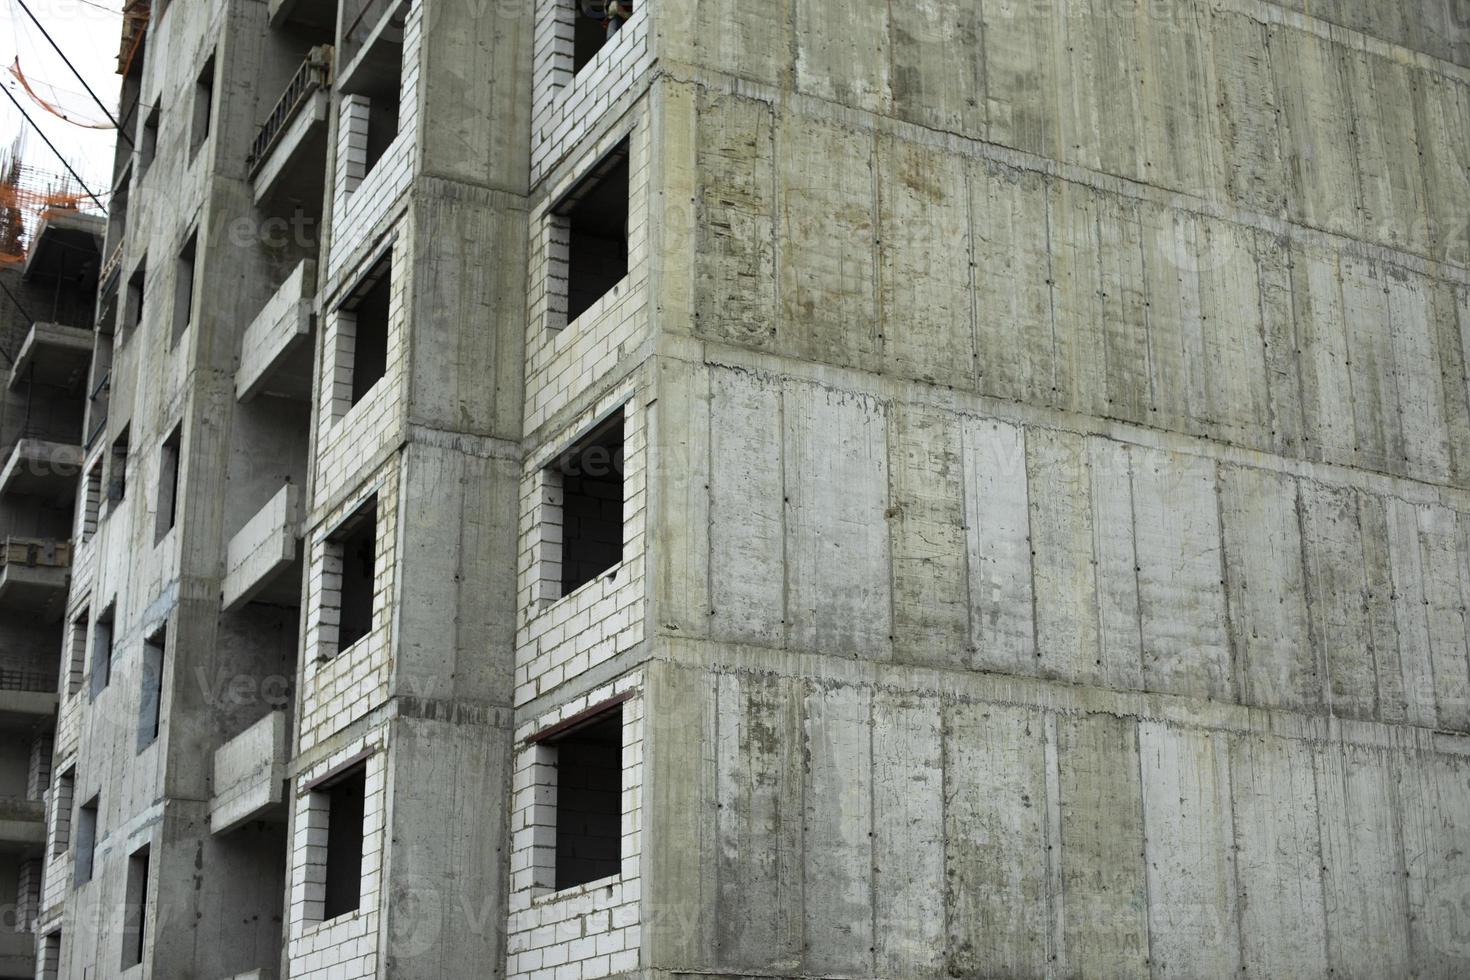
column 46, row 344
column 782, row 488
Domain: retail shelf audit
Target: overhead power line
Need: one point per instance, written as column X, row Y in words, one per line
column 64, row 162
column 47, row 34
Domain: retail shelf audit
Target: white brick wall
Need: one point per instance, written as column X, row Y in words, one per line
column 59, row 801
column 566, row 108
column 359, row 201
column 559, row 638
column 592, row 930
column 348, row 437
column 346, row 947
column 563, row 362
column 339, row 686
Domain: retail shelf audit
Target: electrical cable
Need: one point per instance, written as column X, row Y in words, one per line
column 47, row 34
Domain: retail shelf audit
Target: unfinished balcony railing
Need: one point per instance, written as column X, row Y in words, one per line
column 34, row 573
column 315, row 73
column 27, row 679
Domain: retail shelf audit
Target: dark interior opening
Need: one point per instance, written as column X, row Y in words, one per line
column 168, row 482
column 86, row 837
column 343, row 891
column 357, row 539
column 203, row 107
column 133, row 314
column 184, row 286
column 383, row 108
column 150, row 704
column 135, row 927
column 117, row 467
column 591, row 29
column 589, row 813
column 596, row 212
column 592, row 505
column 370, row 346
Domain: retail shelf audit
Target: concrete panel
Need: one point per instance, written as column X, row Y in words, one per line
column 1282, row 347
column 998, row 547
column 1337, row 583
column 751, row 40
column 1013, row 285
column 1122, row 291
column 746, row 522
column 931, row 601
column 1444, row 312
column 1386, row 144
column 842, row 53
column 1324, row 362
column 679, row 444
column 445, row 828
column 835, row 467
column 1065, row 578
column 1415, row 649
column 759, row 872
column 942, row 93
column 1446, row 591
column 1247, row 118
column 1270, row 637
column 1078, row 311
column 1362, row 860
column 827, row 264
column 925, row 299
column 1278, row 858
column 1381, row 609
column 1176, row 98
column 1105, row 915
column 995, row 841
column 1119, row 638
column 1224, row 346
column 1417, row 375
column 1181, row 605
column 1442, row 114
column 450, row 592
column 837, row 844
column 735, row 249
column 1379, row 435
column 1434, row 811
column 1021, row 75
column 908, row 836
column 681, row 798
column 1189, row 849
column 1316, row 124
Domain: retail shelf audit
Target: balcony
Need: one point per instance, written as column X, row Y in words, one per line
column 43, row 468
column 22, row 821
column 34, row 574
column 26, row 694
column 17, row 953
column 258, row 557
column 53, row 355
column 313, row 17
column 250, row 776
column 275, row 351
column 289, row 152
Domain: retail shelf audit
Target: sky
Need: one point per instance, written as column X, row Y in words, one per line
column 87, row 32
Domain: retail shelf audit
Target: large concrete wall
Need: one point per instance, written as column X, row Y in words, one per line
column 1061, row 484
